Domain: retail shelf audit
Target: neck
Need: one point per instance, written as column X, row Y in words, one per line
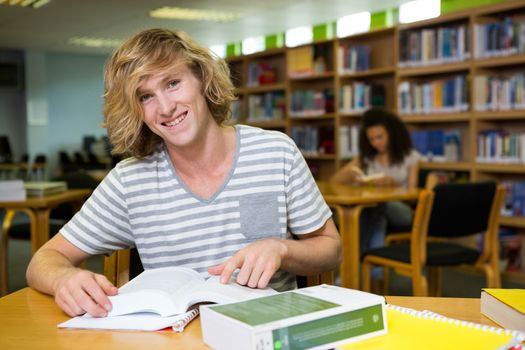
column 208, row 156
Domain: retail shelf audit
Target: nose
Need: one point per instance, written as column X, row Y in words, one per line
column 166, row 106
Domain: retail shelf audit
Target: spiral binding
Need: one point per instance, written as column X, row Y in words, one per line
column 518, row 335
column 180, row 324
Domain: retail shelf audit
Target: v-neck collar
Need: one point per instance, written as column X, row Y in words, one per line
column 226, row 180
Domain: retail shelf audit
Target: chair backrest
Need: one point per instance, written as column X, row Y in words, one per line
column 74, row 180
column 418, row 239
column 461, row 209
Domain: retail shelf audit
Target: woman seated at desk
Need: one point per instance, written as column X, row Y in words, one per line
column 386, row 159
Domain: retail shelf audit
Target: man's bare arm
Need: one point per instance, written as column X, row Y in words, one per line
column 54, row 270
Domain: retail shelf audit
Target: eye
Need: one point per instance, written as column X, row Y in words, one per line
column 144, row 98
column 173, row 83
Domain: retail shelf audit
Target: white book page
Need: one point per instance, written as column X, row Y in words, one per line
column 371, row 177
column 137, row 321
column 157, row 290
column 216, row 292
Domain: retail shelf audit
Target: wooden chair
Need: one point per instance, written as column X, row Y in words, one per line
column 458, row 210
column 123, row 265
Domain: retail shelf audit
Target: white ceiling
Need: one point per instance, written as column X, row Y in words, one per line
column 49, row 27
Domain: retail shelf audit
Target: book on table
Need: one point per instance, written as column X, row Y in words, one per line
column 506, row 307
column 319, row 317
column 43, row 188
column 158, row 298
column 366, row 178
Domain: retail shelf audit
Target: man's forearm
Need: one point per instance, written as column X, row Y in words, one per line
column 313, row 255
column 45, row 268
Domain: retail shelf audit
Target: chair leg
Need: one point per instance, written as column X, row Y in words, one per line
column 435, row 279
column 366, row 269
column 419, row 284
column 8, row 219
column 493, row 276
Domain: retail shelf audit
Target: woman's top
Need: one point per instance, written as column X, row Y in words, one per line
column 398, row 172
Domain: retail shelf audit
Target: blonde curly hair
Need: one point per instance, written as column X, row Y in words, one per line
column 147, row 53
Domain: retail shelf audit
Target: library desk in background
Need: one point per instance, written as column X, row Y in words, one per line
column 38, row 209
column 29, row 321
column 348, row 202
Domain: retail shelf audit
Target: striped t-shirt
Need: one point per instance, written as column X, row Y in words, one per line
column 269, row 192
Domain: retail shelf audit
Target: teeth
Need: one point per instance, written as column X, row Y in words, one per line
column 177, row 120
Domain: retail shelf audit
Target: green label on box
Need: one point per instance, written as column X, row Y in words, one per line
column 272, row 308
column 329, row 329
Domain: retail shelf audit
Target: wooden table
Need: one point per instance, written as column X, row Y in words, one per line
column 38, row 209
column 28, row 321
column 349, row 201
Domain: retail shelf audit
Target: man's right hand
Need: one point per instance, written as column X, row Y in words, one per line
column 80, row 291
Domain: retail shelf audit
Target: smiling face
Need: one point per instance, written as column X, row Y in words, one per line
column 378, row 138
column 173, row 106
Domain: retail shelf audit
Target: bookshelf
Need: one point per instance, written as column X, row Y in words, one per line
column 443, row 67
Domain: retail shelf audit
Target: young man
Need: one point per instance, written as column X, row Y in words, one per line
column 196, row 192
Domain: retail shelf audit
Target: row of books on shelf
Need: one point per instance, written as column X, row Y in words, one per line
column 437, row 96
column 307, row 103
column 438, row 144
column 434, row 46
column 308, row 60
column 353, row 58
column 267, row 106
column 261, row 73
column 499, row 92
column 348, row 141
column 314, row 141
column 501, row 146
column 514, row 198
column 18, row 190
column 358, row 96
column 502, row 38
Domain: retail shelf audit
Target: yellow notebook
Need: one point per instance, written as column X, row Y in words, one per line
column 411, row 329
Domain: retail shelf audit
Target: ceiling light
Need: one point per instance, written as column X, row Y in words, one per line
column 419, row 10
column 94, row 42
column 353, row 24
column 187, row 14
column 253, row 45
column 25, row 3
column 299, row 36
column 219, row 50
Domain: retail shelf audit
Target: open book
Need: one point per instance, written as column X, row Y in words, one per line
column 157, row 298
column 362, row 177
column 371, row 177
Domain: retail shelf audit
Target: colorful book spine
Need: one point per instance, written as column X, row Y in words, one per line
column 500, row 38
column 501, row 146
column 435, row 96
column 431, row 46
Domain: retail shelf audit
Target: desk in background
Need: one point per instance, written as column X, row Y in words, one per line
column 29, row 321
column 349, row 201
column 38, row 209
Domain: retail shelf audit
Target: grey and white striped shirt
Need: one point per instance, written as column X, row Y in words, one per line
column 269, row 192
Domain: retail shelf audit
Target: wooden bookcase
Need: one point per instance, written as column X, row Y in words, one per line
column 300, row 69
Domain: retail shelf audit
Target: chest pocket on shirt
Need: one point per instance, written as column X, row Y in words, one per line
column 259, row 216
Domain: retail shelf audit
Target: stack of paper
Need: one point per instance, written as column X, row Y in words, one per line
column 12, row 190
column 42, row 188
